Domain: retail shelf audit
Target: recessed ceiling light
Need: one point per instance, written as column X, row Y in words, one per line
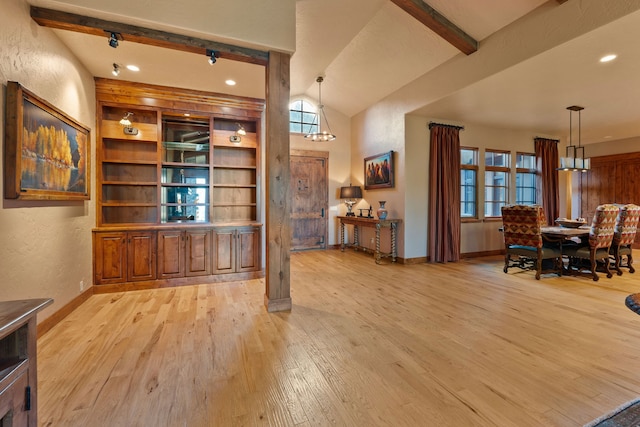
column 133, row 68
column 187, row 114
column 608, row 58
column 230, row 82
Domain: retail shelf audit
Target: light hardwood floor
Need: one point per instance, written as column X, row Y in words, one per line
column 365, row 345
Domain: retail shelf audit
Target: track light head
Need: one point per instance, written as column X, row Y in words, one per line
column 116, row 70
column 113, row 38
column 213, row 56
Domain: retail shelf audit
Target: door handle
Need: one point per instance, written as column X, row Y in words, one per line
column 322, row 213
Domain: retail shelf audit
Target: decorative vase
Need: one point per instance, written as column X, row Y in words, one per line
column 382, row 211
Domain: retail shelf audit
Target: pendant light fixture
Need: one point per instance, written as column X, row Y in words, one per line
column 319, row 134
column 574, row 159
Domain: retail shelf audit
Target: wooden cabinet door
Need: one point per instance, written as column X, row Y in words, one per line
column 141, row 256
column 224, row 250
column 110, row 262
column 171, row 254
column 248, row 249
column 12, row 404
column 198, row 252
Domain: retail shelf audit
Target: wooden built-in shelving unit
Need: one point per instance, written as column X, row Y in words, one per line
column 184, row 165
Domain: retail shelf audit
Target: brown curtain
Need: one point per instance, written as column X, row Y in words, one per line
column 444, row 193
column 547, row 162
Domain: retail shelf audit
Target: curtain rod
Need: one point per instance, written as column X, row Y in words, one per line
column 548, row 139
column 432, row 124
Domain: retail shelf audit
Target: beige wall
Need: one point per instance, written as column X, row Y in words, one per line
column 46, row 247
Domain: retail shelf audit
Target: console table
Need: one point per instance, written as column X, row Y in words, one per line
column 18, row 371
column 358, row 222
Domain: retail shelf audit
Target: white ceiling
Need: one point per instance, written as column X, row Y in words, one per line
column 368, row 49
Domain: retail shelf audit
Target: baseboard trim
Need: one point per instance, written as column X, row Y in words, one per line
column 482, row 254
column 55, row 318
column 411, row 261
column 181, row 281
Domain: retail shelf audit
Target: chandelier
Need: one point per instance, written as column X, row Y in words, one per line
column 319, row 134
column 574, row 156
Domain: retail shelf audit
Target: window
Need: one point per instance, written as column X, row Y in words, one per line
column 468, row 182
column 525, row 179
column 302, row 116
column 496, row 181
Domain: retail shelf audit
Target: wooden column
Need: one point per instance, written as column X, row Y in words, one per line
column 277, row 296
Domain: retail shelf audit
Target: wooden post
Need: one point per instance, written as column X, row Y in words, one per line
column 277, row 295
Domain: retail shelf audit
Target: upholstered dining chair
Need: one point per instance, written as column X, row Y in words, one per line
column 521, row 226
column 599, row 243
column 624, row 235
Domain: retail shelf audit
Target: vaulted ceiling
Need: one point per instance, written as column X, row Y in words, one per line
column 369, row 49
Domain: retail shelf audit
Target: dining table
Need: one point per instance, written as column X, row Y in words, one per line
column 559, row 233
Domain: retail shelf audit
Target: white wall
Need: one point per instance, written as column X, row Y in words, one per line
column 46, row 247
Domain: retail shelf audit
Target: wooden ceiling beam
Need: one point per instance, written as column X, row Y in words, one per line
column 439, row 24
column 132, row 33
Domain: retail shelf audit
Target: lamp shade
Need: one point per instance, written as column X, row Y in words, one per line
column 351, row 192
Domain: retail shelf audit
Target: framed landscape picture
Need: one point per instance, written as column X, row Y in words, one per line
column 378, row 171
column 46, row 153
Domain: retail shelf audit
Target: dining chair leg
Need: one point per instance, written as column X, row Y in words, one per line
column 594, row 265
column 629, row 262
column 617, row 260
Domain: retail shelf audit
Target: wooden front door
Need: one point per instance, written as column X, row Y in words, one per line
column 309, row 190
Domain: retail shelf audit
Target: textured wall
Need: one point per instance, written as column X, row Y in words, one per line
column 45, row 248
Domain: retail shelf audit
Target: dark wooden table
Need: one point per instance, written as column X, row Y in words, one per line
column 358, row 222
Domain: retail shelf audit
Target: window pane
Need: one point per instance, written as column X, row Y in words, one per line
column 526, row 188
column 468, row 193
column 499, row 159
column 295, row 116
column 301, row 117
column 496, row 190
column 526, row 161
column 468, row 157
column 488, row 158
column 295, row 127
column 468, row 184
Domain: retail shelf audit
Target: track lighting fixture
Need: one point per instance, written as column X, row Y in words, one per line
column 213, row 56
column 116, row 69
column 113, row 38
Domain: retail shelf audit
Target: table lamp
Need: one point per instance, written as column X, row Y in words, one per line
column 349, row 194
